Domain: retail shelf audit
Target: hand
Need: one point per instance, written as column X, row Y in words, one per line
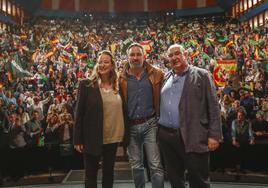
column 79, row 148
column 235, row 143
column 259, row 133
column 213, row 144
column 252, row 142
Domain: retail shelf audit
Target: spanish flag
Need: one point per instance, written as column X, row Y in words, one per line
column 9, row 76
column 35, row 55
column 49, row 54
column 146, row 46
column 80, row 56
column 1, row 85
column 256, row 53
column 195, row 54
column 230, row 43
column 223, row 67
column 257, row 37
column 113, row 47
column 153, row 33
column 64, row 59
column 23, row 37
column 55, row 42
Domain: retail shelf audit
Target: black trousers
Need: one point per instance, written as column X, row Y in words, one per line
column 177, row 161
column 91, row 163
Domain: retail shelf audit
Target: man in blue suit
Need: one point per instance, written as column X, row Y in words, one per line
column 189, row 124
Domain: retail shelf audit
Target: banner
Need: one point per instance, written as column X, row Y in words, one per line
column 223, row 67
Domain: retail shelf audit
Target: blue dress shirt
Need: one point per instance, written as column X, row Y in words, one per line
column 170, row 98
column 140, row 97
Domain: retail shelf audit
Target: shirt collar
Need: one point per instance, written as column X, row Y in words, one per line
column 186, row 70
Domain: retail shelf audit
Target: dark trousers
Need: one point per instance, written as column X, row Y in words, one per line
column 177, row 161
column 91, row 163
column 241, row 156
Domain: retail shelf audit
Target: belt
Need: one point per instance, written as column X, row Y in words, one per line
column 169, row 129
column 140, row 121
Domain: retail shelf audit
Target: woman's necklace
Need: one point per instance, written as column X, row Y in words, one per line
column 106, row 86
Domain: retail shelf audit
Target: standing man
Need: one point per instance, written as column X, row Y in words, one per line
column 189, row 124
column 140, row 87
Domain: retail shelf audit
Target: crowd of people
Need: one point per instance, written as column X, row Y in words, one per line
column 42, row 62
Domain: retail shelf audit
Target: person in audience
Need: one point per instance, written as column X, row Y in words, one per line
column 17, row 144
column 52, row 129
column 260, row 127
column 23, row 116
column 33, row 129
column 242, row 138
column 17, row 132
column 66, row 126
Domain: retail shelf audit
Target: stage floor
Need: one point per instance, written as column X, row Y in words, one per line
column 148, row 185
column 123, row 179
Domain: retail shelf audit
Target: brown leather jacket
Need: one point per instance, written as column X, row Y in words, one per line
column 155, row 76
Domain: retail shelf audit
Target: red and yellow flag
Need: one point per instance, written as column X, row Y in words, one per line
column 256, row 53
column 113, row 47
column 1, row 85
column 195, row 54
column 153, row 33
column 230, row 43
column 23, row 37
column 49, row 54
column 223, row 67
column 9, row 76
column 80, row 56
column 146, row 46
column 55, row 42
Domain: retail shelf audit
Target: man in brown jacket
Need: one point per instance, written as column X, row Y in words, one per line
column 140, row 85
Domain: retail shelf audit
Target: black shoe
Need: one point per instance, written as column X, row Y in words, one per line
column 242, row 171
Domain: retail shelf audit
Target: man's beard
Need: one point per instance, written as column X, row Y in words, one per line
column 135, row 65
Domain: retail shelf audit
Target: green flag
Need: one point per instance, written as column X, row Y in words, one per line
column 18, row 71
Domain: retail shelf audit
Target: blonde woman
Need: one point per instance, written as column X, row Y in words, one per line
column 99, row 123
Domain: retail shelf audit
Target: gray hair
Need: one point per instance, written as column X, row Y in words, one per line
column 182, row 49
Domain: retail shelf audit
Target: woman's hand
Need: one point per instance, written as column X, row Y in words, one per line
column 79, row 148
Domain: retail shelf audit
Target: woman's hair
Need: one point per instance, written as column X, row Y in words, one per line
column 113, row 73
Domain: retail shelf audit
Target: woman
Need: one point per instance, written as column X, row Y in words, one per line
column 23, row 116
column 99, row 124
column 52, row 132
column 66, row 126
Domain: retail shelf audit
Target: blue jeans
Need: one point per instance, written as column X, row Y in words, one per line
column 145, row 135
